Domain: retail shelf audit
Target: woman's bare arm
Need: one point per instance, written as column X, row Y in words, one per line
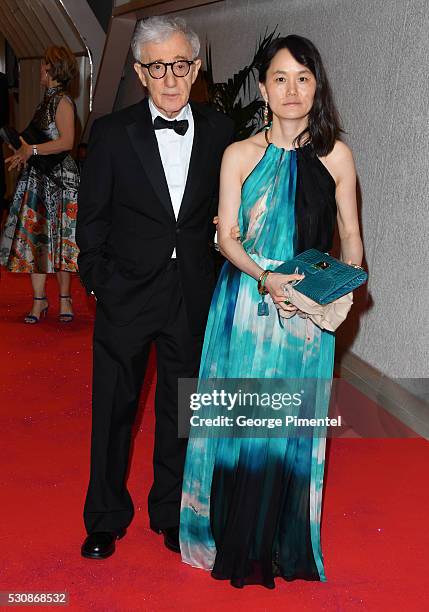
column 342, row 167
column 229, row 204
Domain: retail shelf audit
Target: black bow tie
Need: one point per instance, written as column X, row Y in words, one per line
column 180, row 127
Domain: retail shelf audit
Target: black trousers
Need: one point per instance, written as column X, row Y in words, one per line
column 119, row 363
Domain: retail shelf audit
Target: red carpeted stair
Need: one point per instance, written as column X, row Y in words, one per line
column 375, row 521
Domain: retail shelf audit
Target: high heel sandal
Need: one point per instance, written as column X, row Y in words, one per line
column 31, row 318
column 66, row 317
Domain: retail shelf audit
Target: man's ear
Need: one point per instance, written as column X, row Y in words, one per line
column 140, row 74
column 196, row 67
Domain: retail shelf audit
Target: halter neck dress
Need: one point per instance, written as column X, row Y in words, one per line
column 251, row 506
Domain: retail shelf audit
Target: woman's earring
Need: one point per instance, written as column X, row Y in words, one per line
column 266, row 112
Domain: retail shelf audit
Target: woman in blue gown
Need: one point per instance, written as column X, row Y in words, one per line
column 251, row 506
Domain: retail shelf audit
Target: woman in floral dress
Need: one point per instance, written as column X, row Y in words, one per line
column 39, row 234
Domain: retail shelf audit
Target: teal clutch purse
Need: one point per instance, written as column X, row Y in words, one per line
column 326, row 278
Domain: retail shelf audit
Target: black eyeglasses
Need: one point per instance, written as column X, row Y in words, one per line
column 158, row 70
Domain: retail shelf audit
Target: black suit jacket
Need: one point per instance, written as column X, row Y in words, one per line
column 126, row 228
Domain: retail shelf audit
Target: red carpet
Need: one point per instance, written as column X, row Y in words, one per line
column 375, row 523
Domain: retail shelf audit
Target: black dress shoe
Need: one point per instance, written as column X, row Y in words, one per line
column 101, row 544
column 171, row 537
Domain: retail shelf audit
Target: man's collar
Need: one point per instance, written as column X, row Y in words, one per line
column 184, row 113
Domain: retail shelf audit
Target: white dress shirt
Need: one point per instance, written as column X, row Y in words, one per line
column 175, row 151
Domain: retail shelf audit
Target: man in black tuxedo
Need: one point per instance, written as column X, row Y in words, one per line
column 146, row 201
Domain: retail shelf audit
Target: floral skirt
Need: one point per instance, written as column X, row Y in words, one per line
column 40, row 231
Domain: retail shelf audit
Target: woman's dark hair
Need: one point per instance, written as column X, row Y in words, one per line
column 63, row 65
column 324, row 126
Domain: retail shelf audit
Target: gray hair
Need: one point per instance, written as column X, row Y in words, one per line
column 158, row 29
